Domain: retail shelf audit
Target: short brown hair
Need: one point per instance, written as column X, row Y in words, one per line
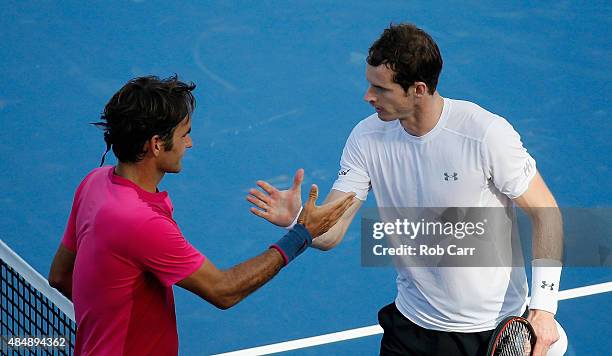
column 409, row 52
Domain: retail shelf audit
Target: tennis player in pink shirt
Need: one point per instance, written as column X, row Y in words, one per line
column 122, row 251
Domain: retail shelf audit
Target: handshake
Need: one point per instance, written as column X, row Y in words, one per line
column 281, row 207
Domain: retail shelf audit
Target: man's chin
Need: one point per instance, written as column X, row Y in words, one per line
column 173, row 170
column 385, row 117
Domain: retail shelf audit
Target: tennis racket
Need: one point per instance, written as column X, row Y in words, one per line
column 514, row 336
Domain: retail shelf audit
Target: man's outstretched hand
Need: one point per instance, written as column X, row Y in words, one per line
column 319, row 219
column 280, row 207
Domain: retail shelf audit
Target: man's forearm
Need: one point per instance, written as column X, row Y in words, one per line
column 331, row 238
column 334, row 236
column 60, row 274
column 66, row 290
column 245, row 278
column 63, row 285
column 547, row 233
column 547, row 226
column 225, row 288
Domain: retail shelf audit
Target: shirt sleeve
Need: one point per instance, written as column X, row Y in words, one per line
column 509, row 164
column 353, row 175
column 69, row 240
column 163, row 251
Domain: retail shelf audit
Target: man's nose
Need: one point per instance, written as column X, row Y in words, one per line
column 369, row 95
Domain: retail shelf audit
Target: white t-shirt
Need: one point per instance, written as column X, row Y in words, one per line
column 471, row 158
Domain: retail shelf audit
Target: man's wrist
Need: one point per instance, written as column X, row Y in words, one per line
column 296, row 241
column 295, row 220
column 545, row 275
column 541, row 313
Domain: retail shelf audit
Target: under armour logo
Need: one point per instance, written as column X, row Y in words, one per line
column 546, row 285
column 343, row 172
column 448, row 177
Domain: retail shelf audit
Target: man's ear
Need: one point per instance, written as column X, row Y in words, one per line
column 154, row 146
column 420, row 89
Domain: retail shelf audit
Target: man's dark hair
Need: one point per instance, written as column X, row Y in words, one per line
column 142, row 108
column 409, row 52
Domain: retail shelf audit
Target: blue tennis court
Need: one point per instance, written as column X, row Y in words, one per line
column 280, row 86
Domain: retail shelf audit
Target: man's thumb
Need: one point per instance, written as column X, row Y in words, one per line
column 313, row 195
column 298, row 179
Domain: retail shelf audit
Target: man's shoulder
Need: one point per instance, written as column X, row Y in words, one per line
column 98, row 173
column 93, row 178
column 469, row 119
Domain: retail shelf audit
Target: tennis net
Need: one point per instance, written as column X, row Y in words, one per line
column 35, row 318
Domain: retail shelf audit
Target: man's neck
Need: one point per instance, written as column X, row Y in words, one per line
column 425, row 116
column 143, row 175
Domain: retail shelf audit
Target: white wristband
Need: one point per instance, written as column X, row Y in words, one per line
column 294, row 220
column 545, row 277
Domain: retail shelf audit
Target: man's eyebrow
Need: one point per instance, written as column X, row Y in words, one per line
column 378, row 86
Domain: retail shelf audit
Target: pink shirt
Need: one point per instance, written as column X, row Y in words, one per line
column 129, row 253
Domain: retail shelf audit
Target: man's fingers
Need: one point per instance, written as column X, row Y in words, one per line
column 341, row 202
column 339, row 209
column 339, row 212
column 347, row 204
column 543, row 344
column 546, row 332
column 298, row 179
column 258, row 202
column 539, row 349
column 266, row 186
column 261, row 214
column 260, row 195
column 349, row 199
column 313, row 195
column 343, row 205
